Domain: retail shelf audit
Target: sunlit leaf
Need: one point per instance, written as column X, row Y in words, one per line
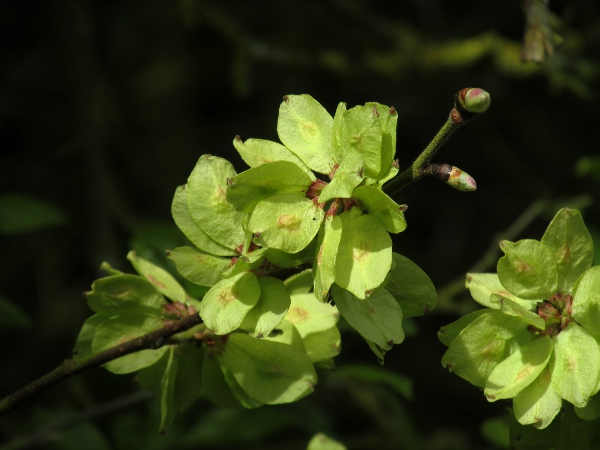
column 286, row 222
column 305, row 127
column 198, row 267
column 528, row 269
column 270, row 309
column 208, row 205
column 538, row 403
column 411, row 287
column 382, row 208
column 571, row 244
column 162, row 280
column 226, row 304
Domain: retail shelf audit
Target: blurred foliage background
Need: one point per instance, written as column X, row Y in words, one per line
column 105, row 106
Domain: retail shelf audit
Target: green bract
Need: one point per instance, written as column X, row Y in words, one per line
column 538, row 341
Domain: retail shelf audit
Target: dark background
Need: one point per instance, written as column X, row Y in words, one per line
column 105, row 106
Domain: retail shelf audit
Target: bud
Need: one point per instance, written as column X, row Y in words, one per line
column 474, row 100
column 452, row 176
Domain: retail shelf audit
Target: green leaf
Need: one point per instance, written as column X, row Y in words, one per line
column 365, row 254
column 388, row 120
column 118, row 292
column 382, row 207
column 21, row 214
column 348, row 175
column 198, row 267
column 162, row 280
column 246, row 400
column 586, row 301
column 270, row 309
column 538, row 403
column 299, row 283
column 364, row 136
column 256, row 152
column 339, row 134
column 83, row 345
column 321, row 441
column 214, row 385
column 183, row 219
column 377, row 319
column 575, row 365
column 528, row 269
column 176, row 381
column 571, row 245
column 269, row 371
column 305, row 127
column 449, row 332
column 322, row 345
column 507, row 306
column 519, row 369
column 227, row 303
column 248, row 188
column 325, row 257
column 411, row 287
column 591, row 411
column 486, row 287
column 309, row 315
column 129, row 324
column 208, row 205
column 286, row 222
column 484, row 344
column 282, row 259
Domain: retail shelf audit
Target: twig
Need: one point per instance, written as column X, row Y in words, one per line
column 468, row 103
column 153, row 340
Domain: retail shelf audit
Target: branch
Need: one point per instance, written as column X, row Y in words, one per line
column 468, row 103
column 153, row 340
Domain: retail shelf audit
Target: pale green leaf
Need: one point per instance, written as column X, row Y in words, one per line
column 286, row 222
column 388, row 120
column 214, row 385
column 449, row 332
column 183, row 219
column 507, row 306
column 162, row 280
column 299, row 283
column 207, row 201
column 528, row 269
column 248, row 188
column 538, row 403
column 364, row 136
column 118, row 292
column 483, row 344
column 270, row 309
column 586, row 301
column 226, row 304
column 365, row 254
column 256, row 152
column 347, row 176
column 309, row 315
column 325, row 257
column 411, row 287
column 130, row 324
column 571, row 245
column 322, row 345
column 377, row 319
column 519, row 369
column 382, row 207
column 575, row 365
column 486, row 287
column 198, row 267
column 269, row 371
column 305, row 127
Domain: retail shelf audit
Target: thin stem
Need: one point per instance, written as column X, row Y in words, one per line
column 153, row 340
column 468, row 103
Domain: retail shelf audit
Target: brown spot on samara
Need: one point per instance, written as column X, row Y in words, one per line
column 288, row 221
column 155, row 282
